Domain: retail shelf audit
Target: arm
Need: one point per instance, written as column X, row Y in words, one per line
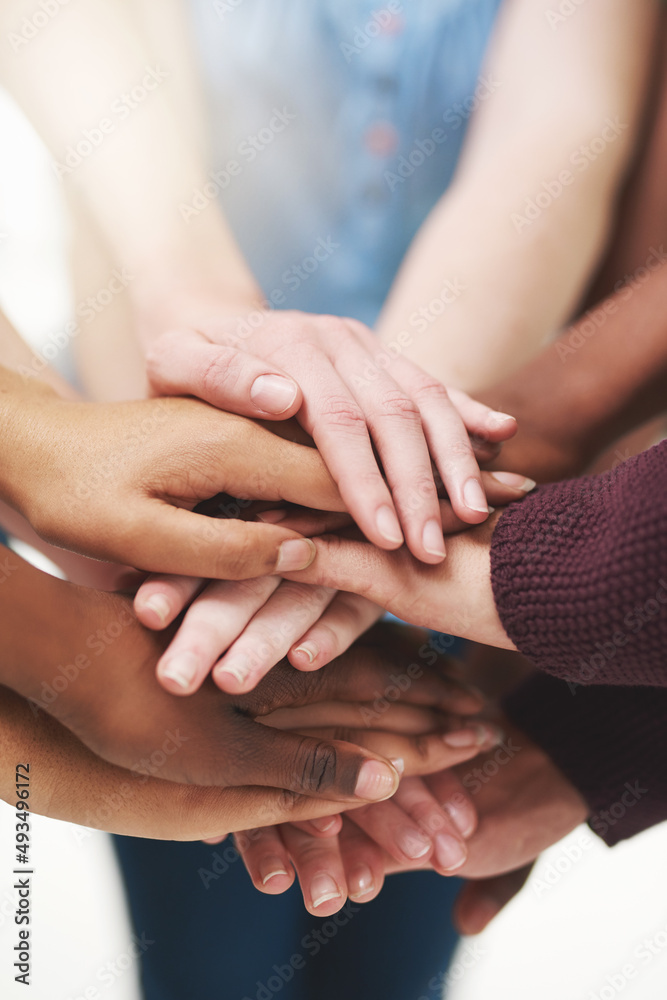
column 189, row 279
column 604, row 376
column 574, row 576
column 524, row 269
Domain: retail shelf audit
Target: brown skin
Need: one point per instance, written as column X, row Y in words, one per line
column 73, row 468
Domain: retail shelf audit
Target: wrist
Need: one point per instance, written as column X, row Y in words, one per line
column 24, row 407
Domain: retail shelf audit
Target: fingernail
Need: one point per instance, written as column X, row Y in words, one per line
column 514, row 480
column 474, row 496
column 272, row 516
column 492, row 510
column 181, row 669
column 496, row 418
column 449, row 852
column 414, row 845
column 473, row 736
column 324, row 823
column 376, row 781
column 322, row 889
column 460, row 817
column 388, row 526
column 432, row 539
column 309, row 649
column 399, row 764
column 297, row 553
column 360, row 882
column 239, row 669
column 271, row 868
column 273, row 393
column 160, row 605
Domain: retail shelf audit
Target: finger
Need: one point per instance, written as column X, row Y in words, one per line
column 417, row 801
column 160, row 599
column 481, row 421
column 394, row 831
column 372, row 671
column 397, row 718
column 320, row 870
column 325, row 826
column 186, row 363
column 308, row 765
column 346, row 618
column 266, row 859
column 479, row 902
column 363, row 863
column 172, row 540
column 452, row 797
column 395, row 424
column 450, row 446
column 339, row 428
column 265, row 640
column 421, row 753
column 211, row 624
column 306, row 522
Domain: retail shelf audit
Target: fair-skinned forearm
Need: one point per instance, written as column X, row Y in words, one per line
column 557, row 88
column 93, row 53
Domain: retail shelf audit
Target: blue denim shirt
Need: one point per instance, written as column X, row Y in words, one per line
column 336, row 125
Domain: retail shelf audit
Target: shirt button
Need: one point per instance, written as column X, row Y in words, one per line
column 381, row 139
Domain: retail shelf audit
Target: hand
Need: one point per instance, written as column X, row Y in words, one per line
column 455, row 597
column 351, row 854
column 257, row 623
column 523, row 804
column 109, row 698
column 331, row 373
column 119, row 481
column 69, row 782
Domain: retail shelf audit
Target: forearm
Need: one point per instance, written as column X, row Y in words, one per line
column 146, row 164
column 605, row 375
column 518, row 279
column 579, row 574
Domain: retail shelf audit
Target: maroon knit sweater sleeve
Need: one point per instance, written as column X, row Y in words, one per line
column 579, row 575
column 610, row 742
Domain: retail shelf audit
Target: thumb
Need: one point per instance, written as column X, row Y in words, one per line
column 185, row 363
column 480, row 901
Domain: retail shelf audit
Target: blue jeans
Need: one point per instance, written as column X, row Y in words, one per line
column 214, row 937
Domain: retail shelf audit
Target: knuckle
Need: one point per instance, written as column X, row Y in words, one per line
column 344, row 414
column 429, row 390
column 315, row 767
column 222, row 372
column 394, row 403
